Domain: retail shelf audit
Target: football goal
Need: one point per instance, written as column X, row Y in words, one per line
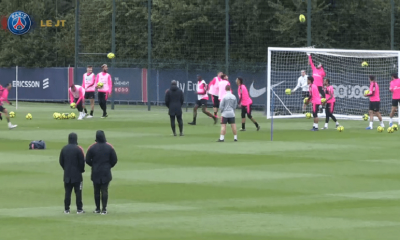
column 347, row 74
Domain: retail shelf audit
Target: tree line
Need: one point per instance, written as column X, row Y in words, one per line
column 191, row 30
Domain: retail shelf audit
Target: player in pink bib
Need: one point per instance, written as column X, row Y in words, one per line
column 245, row 102
column 77, row 95
column 89, row 85
column 318, row 74
column 105, row 91
column 4, row 98
column 330, row 103
column 222, row 87
column 315, row 99
column 374, row 102
column 202, row 98
column 395, row 89
column 213, row 89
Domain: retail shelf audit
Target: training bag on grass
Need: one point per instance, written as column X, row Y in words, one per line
column 37, row 145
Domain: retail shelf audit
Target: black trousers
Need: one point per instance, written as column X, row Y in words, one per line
column 102, row 102
column 77, row 187
column 180, row 122
column 101, row 191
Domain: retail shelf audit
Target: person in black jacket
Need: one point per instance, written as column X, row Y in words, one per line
column 174, row 100
column 72, row 160
column 101, row 156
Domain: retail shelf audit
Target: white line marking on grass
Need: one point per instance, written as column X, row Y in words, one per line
column 117, row 209
column 393, row 194
column 205, row 175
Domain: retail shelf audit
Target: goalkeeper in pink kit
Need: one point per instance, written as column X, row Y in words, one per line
column 4, row 98
column 105, row 91
column 374, row 102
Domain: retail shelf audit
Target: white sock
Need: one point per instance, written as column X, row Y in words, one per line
column 382, row 124
column 315, row 125
column 371, row 124
column 9, row 124
column 326, row 125
column 390, row 120
column 222, row 137
column 337, row 123
column 235, row 137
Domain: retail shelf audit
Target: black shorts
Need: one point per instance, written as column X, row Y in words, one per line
column 246, row 110
column 228, row 120
column 395, row 102
column 330, row 107
column 2, row 109
column 201, row 102
column 374, row 106
column 305, row 94
column 215, row 101
column 79, row 104
column 315, row 108
column 321, row 91
column 89, row 95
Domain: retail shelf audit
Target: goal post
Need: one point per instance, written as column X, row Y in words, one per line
column 345, row 71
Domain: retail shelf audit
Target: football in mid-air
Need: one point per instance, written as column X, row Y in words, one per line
column 111, row 55
column 365, row 117
column 308, row 115
column 302, row 18
column 28, row 116
column 364, row 64
column 288, row 91
column 323, row 100
column 12, row 114
column 380, row 129
column 306, row 101
column 100, row 84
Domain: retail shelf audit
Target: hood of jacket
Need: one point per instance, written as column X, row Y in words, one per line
column 100, row 137
column 174, row 88
column 73, row 138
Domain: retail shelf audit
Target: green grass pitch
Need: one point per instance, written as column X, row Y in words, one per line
column 302, row 186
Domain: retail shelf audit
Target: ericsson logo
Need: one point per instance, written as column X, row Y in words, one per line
column 348, row 91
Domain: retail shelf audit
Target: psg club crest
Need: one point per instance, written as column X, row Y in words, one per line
column 19, row 23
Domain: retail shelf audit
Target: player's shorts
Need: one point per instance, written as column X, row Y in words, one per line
column 201, row 102
column 80, row 103
column 330, row 107
column 395, row 102
column 374, row 106
column 227, row 120
column 89, row 95
column 305, row 94
column 321, row 91
column 1, row 108
column 315, row 108
column 246, row 110
column 215, row 101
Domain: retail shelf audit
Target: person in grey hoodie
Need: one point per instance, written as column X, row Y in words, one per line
column 228, row 106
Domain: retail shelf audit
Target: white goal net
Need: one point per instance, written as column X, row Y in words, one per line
column 345, row 71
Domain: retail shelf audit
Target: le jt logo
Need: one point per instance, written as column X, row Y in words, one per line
column 50, row 23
